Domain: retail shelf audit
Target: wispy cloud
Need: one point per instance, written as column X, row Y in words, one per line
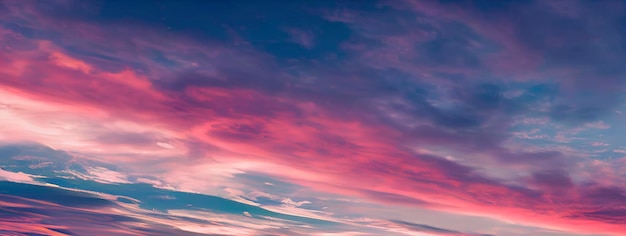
column 334, row 99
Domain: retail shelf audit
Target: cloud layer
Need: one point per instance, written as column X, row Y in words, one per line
column 506, row 111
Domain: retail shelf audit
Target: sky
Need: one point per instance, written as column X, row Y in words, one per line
column 453, row 118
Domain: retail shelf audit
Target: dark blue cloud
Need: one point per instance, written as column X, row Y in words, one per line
column 79, row 213
column 432, row 229
column 56, row 195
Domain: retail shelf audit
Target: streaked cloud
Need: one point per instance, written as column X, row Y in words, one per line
column 299, row 119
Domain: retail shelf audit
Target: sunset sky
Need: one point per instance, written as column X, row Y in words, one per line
column 324, row 118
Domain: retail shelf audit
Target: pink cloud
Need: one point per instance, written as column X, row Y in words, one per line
column 312, row 144
column 16, row 177
column 256, row 130
column 338, row 150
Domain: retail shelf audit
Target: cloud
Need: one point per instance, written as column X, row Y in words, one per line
column 337, row 105
column 16, row 177
column 426, row 228
column 90, row 213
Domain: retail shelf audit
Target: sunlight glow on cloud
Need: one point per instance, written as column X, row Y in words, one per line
column 499, row 111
